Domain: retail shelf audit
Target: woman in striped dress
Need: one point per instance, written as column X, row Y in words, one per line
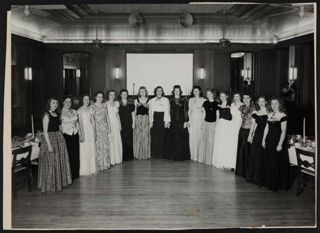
column 54, row 168
column 141, row 132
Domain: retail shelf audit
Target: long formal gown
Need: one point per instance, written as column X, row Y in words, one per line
column 159, row 114
column 103, row 137
column 255, row 163
column 178, row 134
column 277, row 174
column 141, row 133
column 71, row 135
column 222, row 150
column 88, row 164
column 208, row 132
column 54, row 169
column 125, row 113
column 243, row 152
column 195, row 121
column 115, row 142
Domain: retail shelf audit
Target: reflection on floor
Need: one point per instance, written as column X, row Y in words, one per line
column 161, row 194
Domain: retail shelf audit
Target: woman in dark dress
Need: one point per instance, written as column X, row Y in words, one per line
column 210, row 108
column 70, row 128
column 127, row 118
column 255, row 162
column 178, row 132
column 277, row 158
column 243, row 150
column 159, row 117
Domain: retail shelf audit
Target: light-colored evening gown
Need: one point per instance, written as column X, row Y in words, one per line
column 195, row 121
column 88, row 164
column 116, row 142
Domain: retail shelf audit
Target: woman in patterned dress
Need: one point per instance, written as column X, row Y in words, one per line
column 243, row 151
column 102, row 132
column 196, row 116
column 141, row 132
column 54, row 169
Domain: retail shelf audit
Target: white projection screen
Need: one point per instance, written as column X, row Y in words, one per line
column 166, row 70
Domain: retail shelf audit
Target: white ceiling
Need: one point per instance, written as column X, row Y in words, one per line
column 253, row 23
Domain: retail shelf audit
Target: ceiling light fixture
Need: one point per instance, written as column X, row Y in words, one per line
column 186, row 19
column 275, row 39
column 136, row 19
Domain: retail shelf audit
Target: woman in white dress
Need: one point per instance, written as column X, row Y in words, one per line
column 116, row 142
column 196, row 118
column 222, row 139
column 87, row 138
column 235, row 128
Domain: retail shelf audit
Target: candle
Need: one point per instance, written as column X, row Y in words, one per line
column 32, row 126
column 304, row 128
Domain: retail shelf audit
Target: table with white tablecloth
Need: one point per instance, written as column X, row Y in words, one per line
column 34, row 153
column 293, row 155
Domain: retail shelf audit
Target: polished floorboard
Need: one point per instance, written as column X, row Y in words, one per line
column 162, row 194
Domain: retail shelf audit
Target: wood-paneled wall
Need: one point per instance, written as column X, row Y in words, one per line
column 271, row 69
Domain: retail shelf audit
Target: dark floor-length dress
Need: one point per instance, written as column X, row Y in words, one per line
column 178, row 140
column 159, row 137
column 277, row 174
column 125, row 113
column 243, row 150
column 255, row 163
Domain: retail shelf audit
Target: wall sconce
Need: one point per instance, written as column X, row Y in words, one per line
column 78, row 73
column 246, row 74
column 117, row 72
column 202, row 73
column 293, row 73
column 28, row 73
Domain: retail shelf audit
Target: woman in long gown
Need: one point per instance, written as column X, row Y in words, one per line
column 210, row 107
column 195, row 113
column 236, row 124
column 159, row 117
column 277, row 158
column 102, row 132
column 116, row 142
column 70, row 129
column 141, row 132
column 54, row 169
column 223, row 134
column 127, row 119
column 255, row 163
column 178, row 132
column 88, row 164
column 243, row 152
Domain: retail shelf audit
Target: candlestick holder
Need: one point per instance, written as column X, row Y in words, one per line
column 304, row 142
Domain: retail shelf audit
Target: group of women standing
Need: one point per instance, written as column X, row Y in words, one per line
column 235, row 136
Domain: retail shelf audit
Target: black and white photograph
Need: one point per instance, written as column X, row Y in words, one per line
column 160, row 116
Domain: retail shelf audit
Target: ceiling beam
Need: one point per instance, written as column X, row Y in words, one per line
column 254, row 10
column 77, row 10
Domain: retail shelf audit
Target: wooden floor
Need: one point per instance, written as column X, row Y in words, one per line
column 161, row 194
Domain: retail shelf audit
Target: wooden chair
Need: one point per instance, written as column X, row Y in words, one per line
column 21, row 166
column 306, row 166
